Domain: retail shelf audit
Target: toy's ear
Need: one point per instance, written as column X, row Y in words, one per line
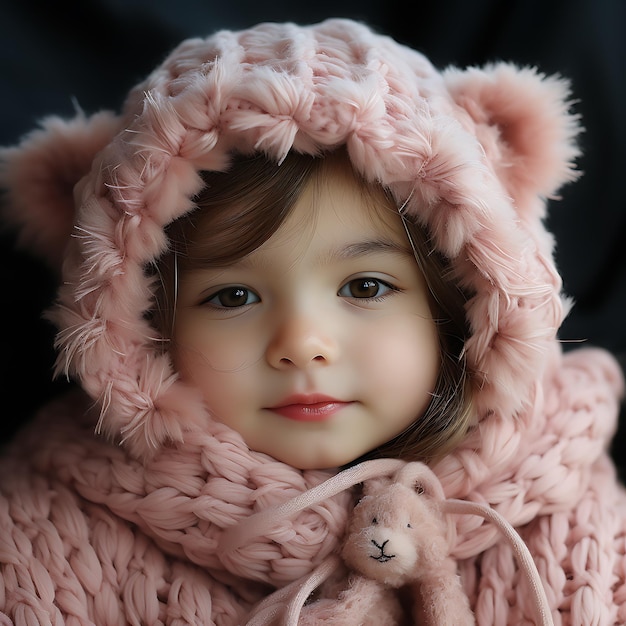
column 522, row 119
column 421, row 479
column 38, row 175
column 373, row 486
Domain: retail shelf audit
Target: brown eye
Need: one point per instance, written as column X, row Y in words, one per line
column 374, row 521
column 232, row 297
column 365, row 288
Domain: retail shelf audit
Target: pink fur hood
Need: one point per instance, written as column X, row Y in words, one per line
column 476, row 154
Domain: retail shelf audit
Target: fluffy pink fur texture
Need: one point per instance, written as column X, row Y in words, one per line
column 473, row 153
column 95, row 533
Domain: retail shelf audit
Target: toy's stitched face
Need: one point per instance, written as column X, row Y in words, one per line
column 384, row 539
column 394, row 534
column 320, row 345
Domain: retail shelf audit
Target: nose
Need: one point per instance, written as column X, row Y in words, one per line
column 301, row 341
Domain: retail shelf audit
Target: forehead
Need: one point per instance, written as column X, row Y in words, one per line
column 338, row 205
column 249, row 211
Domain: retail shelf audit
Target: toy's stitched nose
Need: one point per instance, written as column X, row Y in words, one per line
column 382, row 557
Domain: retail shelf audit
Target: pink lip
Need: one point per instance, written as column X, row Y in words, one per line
column 309, row 408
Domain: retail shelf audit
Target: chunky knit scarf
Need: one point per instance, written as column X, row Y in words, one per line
column 91, row 536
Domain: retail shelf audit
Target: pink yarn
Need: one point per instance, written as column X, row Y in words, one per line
column 130, row 525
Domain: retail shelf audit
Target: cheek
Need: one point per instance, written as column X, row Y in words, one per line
column 218, row 363
column 199, row 347
column 226, row 389
column 401, row 359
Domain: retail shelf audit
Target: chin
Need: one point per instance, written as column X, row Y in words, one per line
column 308, row 464
column 319, row 462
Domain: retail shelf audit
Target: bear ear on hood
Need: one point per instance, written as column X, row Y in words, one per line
column 522, row 119
column 38, row 176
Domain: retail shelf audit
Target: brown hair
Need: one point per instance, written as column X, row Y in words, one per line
column 238, row 210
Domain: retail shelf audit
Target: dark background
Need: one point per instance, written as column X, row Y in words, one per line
column 56, row 54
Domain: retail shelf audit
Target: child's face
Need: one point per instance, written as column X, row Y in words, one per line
column 320, row 345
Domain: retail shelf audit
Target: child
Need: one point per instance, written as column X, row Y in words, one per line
column 296, row 248
column 290, row 218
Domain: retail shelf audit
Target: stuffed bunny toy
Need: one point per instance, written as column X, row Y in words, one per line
column 398, row 552
column 396, row 565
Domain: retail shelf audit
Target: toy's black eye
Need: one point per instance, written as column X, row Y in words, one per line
column 409, row 525
column 374, row 521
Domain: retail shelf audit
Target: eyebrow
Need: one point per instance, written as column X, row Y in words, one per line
column 371, row 246
column 345, row 253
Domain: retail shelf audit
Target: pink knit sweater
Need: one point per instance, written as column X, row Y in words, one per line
column 118, row 504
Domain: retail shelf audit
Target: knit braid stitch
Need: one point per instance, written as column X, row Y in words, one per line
column 580, row 555
column 540, row 462
column 69, row 562
column 555, row 482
